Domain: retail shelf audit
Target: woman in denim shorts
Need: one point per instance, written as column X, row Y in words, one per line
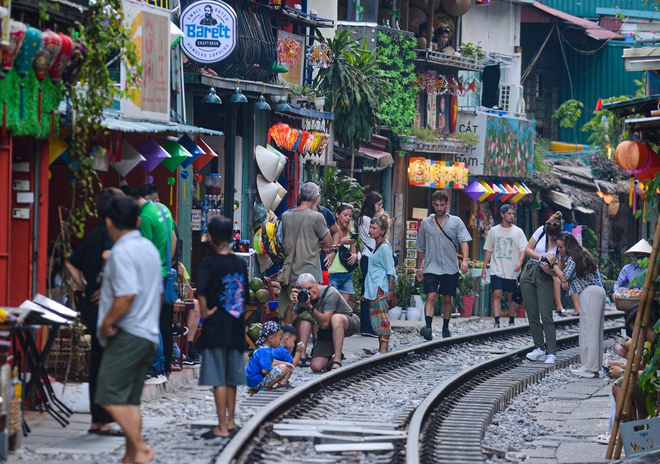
column 340, row 278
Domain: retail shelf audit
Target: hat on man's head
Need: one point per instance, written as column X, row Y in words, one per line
column 267, row 329
column 506, row 207
column 640, row 247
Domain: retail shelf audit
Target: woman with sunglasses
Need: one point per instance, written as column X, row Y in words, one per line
column 379, row 282
column 537, row 289
column 580, row 275
column 340, row 277
column 372, row 205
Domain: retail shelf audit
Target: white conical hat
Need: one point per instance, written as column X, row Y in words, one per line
column 282, row 191
column 283, row 159
column 267, row 191
column 276, row 203
column 268, row 163
column 640, row 247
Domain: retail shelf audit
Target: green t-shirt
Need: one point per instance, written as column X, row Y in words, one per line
column 153, row 229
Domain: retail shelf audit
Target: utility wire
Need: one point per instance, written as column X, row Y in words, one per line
column 536, row 57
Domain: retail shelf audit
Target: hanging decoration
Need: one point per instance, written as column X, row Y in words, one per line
column 444, row 85
column 288, row 51
column 201, row 160
column 633, row 157
column 424, row 172
column 62, row 59
column 52, row 44
column 130, row 158
column 301, row 141
column 178, row 154
column 153, row 154
column 475, row 190
column 189, row 144
column 319, row 56
column 31, row 45
column 56, row 147
column 17, row 32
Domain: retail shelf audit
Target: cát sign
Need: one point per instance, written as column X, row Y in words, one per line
column 210, row 31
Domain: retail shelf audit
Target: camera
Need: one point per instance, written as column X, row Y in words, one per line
column 303, row 296
column 544, row 259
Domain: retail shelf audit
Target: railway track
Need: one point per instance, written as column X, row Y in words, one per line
column 399, row 408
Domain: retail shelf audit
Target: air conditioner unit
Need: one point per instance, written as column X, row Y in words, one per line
column 511, row 98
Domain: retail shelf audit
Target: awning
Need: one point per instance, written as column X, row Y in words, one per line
column 374, row 159
column 592, row 29
column 561, row 199
column 114, row 122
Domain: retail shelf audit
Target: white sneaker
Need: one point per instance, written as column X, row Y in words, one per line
column 550, row 359
column 377, row 353
column 537, row 355
column 583, row 373
column 603, row 438
column 155, row 380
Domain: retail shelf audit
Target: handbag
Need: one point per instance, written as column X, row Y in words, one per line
column 516, row 296
column 170, row 287
column 284, row 274
column 344, row 256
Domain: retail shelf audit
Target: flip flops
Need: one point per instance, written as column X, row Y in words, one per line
column 209, row 434
column 305, row 362
column 114, row 431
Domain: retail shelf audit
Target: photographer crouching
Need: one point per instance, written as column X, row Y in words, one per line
column 333, row 315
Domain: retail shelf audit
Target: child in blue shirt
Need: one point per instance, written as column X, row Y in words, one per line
column 285, row 350
column 264, row 371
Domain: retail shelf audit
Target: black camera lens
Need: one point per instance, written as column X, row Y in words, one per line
column 544, row 259
column 303, row 296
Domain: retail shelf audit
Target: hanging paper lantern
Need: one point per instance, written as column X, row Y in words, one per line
column 78, row 57
column 130, row 158
column 501, row 193
column 178, row 155
column 17, row 31
column 62, row 59
column 650, row 169
column 52, row 44
column 507, row 194
column 190, row 145
column 319, row 56
column 631, row 156
column 208, row 155
column 31, row 45
column 153, row 154
column 475, row 190
column 288, row 51
column 496, row 191
column 487, row 190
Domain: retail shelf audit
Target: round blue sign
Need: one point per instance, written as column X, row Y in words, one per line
column 209, row 29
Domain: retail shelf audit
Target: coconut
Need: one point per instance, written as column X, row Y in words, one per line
column 252, row 297
column 254, row 331
column 262, row 295
column 256, row 284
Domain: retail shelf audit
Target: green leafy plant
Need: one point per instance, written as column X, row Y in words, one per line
column 397, row 95
column 404, row 286
column 471, row 138
column 466, row 284
column 470, row 50
column 569, row 113
column 426, row 135
column 339, row 188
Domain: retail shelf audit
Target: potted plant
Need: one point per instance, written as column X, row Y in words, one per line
column 407, row 140
column 283, row 95
column 299, row 94
column 404, row 290
column 472, row 51
column 318, row 97
column 466, row 288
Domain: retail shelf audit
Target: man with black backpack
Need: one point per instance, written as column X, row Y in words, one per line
column 438, row 239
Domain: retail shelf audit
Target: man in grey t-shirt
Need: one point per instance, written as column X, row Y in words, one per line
column 438, row 237
column 334, row 317
column 128, row 323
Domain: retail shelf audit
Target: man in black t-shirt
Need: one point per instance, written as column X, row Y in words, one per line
column 85, row 267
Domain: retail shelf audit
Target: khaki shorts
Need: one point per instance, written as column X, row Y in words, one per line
column 326, row 348
column 124, row 366
column 285, row 299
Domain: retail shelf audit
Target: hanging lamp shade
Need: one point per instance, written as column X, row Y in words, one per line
column 282, row 106
column 189, row 144
column 267, row 191
column 487, row 190
column 508, row 194
column 62, row 59
column 238, row 97
column 17, row 31
column 178, row 155
column 268, row 163
column 45, row 57
column 208, row 155
column 31, row 45
column 631, row 156
column 153, row 154
column 262, row 105
column 55, row 149
column 130, row 158
column 78, row 57
column 212, row 97
column 475, row 190
column 495, row 191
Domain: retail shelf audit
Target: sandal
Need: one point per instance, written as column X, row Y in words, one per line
column 332, row 367
column 115, row 430
column 304, row 362
column 211, row 435
column 562, row 313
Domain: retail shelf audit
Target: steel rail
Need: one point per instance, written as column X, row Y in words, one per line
column 238, row 446
column 461, row 384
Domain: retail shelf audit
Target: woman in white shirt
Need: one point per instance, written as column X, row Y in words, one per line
column 537, row 289
column 371, row 206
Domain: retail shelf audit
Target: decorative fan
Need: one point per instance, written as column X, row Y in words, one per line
column 319, row 56
column 288, row 51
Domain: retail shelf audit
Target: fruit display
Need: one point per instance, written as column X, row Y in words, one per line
column 256, row 284
column 262, row 295
column 625, row 299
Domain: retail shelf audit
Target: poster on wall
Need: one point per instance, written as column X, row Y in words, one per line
column 437, row 174
column 509, row 147
column 209, row 29
column 150, row 29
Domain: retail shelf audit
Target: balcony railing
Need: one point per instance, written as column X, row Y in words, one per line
column 453, row 61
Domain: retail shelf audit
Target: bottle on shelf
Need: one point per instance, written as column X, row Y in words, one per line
column 237, row 232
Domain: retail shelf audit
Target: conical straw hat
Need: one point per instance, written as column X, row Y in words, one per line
column 276, row 203
column 267, row 191
column 640, row 247
column 268, row 163
column 456, row 7
column 282, row 191
column 283, row 159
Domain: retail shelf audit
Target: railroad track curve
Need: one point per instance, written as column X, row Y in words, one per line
column 368, row 406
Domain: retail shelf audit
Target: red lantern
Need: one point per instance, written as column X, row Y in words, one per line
column 47, row 53
column 631, row 156
column 651, row 169
column 17, row 31
column 62, row 60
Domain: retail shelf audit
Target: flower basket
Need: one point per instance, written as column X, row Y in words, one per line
column 468, row 304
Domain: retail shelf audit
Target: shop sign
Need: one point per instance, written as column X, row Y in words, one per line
column 150, row 32
column 210, row 31
column 469, row 123
column 424, row 172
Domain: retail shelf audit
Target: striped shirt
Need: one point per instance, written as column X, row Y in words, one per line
column 578, row 284
column 627, row 275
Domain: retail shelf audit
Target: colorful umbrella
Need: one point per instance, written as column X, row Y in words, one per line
column 130, row 158
column 62, row 59
column 190, row 145
column 208, row 155
column 475, row 190
column 153, row 154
